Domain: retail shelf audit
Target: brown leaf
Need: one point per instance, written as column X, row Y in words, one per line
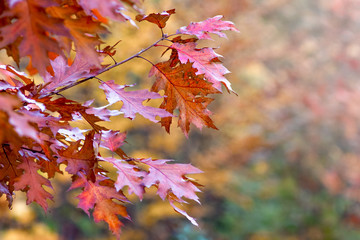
column 159, row 19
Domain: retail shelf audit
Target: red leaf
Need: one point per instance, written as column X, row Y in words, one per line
column 186, row 91
column 212, row 25
column 49, row 167
column 108, row 8
column 31, row 23
column 112, row 139
column 83, row 159
column 20, row 122
column 182, row 212
column 65, row 74
column 132, row 101
column 170, row 178
column 159, row 19
column 83, row 30
column 100, row 198
column 13, row 72
column 31, row 182
column 202, row 60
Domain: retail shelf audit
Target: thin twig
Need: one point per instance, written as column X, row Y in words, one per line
column 102, row 71
column 146, row 60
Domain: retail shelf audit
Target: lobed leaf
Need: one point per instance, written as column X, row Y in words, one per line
column 159, row 19
column 170, row 178
column 212, row 25
column 185, row 91
column 205, row 60
column 100, row 198
column 31, row 182
column 132, row 101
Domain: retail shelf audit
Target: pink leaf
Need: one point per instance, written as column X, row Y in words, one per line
column 132, row 101
column 21, row 122
column 108, row 8
column 212, row 25
column 204, row 61
column 182, row 212
column 171, row 177
column 65, row 74
column 128, row 175
column 112, row 139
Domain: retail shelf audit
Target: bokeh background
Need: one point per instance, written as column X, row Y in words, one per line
column 285, row 163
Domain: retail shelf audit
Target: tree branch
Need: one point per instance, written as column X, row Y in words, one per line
column 73, row 84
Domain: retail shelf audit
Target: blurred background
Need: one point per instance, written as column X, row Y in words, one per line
column 285, row 163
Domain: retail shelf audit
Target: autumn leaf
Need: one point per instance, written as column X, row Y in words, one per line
column 83, row 159
column 205, row 60
column 159, row 19
column 182, row 212
column 108, row 9
column 65, row 74
column 133, row 101
column 49, row 167
column 128, row 175
column 11, row 73
column 100, row 198
column 32, row 182
column 212, row 25
column 9, row 166
column 186, row 91
column 112, row 139
column 170, row 178
column 20, row 122
column 30, row 23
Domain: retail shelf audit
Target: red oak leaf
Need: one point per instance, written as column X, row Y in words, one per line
column 186, row 91
column 159, row 19
column 112, row 139
column 100, row 198
column 182, row 212
column 65, row 74
column 30, row 22
column 10, row 72
column 83, row 159
column 101, row 112
column 170, row 178
column 212, row 25
column 50, row 167
column 70, row 110
column 128, row 175
column 108, row 9
column 21, row 122
column 83, row 30
column 32, row 182
column 204, row 61
column 132, row 101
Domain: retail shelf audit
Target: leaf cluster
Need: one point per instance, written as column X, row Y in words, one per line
column 37, row 135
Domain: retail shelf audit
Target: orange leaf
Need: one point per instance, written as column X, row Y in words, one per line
column 186, row 91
